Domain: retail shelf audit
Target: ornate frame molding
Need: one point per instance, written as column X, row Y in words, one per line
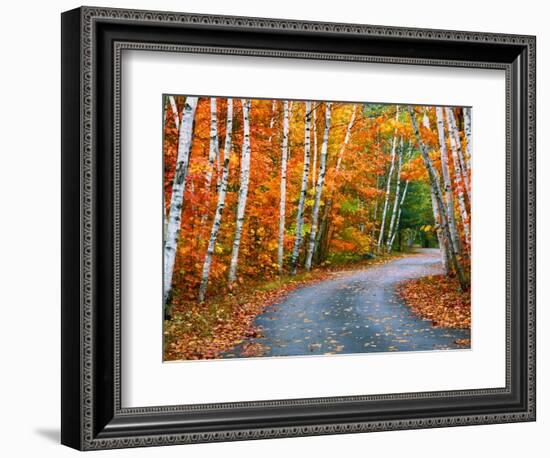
column 88, row 434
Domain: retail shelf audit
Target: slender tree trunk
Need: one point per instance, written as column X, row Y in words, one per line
column 319, row 188
column 468, row 135
column 401, row 202
column 346, row 138
column 388, row 185
column 272, row 120
column 456, row 146
column 328, row 203
column 396, row 199
column 165, row 105
column 243, row 190
column 303, row 190
column 448, row 193
column 443, row 246
column 164, row 215
column 434, row 181
column 290, row 107
column 213, row 152
column 396, row 230
column 314, row 168
column 282, row 202
column 375, row 214
column 175, row 112
column 426, row 119
column 460, row 186
column 222, row 191
column 178, row 190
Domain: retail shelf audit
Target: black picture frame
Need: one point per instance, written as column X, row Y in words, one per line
column 92, row 40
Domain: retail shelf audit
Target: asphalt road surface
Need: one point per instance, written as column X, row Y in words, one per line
column 355, row 312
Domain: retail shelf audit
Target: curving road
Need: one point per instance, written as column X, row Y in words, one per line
column 355, row 312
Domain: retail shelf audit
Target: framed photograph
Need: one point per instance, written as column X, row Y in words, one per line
column 276, row 228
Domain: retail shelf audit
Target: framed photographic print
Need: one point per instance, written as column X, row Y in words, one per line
column 276, row 228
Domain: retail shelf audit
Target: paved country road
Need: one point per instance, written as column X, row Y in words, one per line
column 354, row 312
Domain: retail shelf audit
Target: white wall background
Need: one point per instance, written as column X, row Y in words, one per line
column 30, row 230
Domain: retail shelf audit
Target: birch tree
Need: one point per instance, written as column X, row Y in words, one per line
column 213, row 152
column 396, row 199
column 456, row 147
column 303, row 190
column 375, row 213
column 164, row 218
column 443, row 248
column 243, row 190
column 272, row 120
column 402, row 198
column 468, row 134
column 460, row 186
column 185, row 139
column 346, row 138
column 434, row 182
column 319, row 188
column 175, row 112
column 388, row 184
column 282, row 201
column 328, row 204
column 314, row 168
column 222, row 191
column 396, row 229
column 447, row 186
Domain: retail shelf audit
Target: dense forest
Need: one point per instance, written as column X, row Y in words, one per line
column 257, row 190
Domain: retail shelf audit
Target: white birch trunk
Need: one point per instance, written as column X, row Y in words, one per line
column 375, row 214
column 282, row 202
column 303, row 190
column 290, row 106
column 175, row 113
column 396, row 199
column 243, row 191
column 222, row 191
column 328, row 203
column 402, row 200
column 468, row 134
column 426, row 120
column 314, row 168
column 213, row 153
column 440, row 237
column 388, row 186
column 434, row 181
column 178, row 190
column 396, row 229
column 456, row 147
column 346, row 138
column 319, row 189
column 447, row 186
column 164, row 216
column 460, row 186
column 272, row 121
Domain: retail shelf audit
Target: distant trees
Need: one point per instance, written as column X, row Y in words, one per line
column 314, row 183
